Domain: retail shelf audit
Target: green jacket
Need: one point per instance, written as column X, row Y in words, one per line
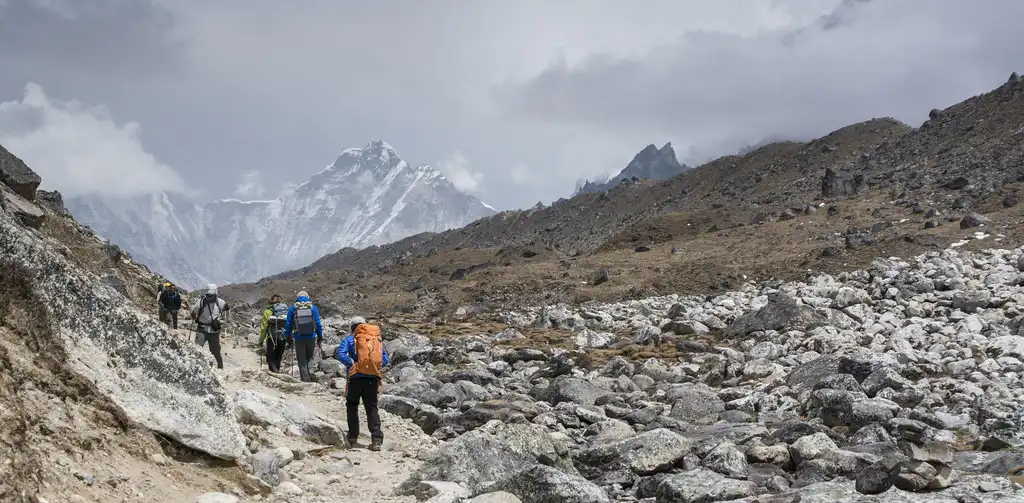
column 267, row 313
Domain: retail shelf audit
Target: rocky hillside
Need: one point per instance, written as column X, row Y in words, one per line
column 961, row 154
column 651, row 163
column 367, row 196
column 876, row 188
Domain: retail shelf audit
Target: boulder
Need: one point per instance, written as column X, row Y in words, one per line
column 542, row 484
column 15, row 174
column 507, row 449
column 695, row 405
column 263, row 410
column 644, row 454
column 974, row 219
column 23, row 210
column 703, row 486
column 837, row 183
column 572, row 389
column 781, row 313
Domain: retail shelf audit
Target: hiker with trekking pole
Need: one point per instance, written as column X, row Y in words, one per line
column 206, row 312
column 304, row 328
column 275, row 317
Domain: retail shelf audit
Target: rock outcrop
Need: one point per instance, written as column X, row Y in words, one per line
column 15, row 174
column 132, row 359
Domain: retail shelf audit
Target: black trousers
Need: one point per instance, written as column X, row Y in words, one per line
column 214, row 339
column 365, row 389
column 173, row 314
column 275, row 350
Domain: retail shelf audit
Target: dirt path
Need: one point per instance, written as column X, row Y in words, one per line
column 321, row 473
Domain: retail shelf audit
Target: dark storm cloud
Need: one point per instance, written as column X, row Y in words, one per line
column 109, row 38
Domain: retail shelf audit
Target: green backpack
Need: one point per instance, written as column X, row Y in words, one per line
column 276, row 321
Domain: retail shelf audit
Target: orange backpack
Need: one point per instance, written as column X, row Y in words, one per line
column 369, row 350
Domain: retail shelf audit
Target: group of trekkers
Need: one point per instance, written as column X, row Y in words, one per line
column 361, row 351
column 299, row 326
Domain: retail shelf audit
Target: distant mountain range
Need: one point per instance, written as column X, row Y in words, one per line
column 367, row 196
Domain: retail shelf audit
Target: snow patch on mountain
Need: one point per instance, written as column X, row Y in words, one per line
column 367, row 196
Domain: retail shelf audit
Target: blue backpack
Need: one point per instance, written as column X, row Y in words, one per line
column 305, row 324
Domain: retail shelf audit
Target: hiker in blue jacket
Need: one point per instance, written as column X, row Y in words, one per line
column 346, row 353
column 304, row 327
column 364, row 382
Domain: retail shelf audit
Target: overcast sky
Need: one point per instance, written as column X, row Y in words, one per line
column 514, row 100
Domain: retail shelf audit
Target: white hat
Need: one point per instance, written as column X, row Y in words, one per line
column 303, row 294
column 356, row 321
column 211, row 289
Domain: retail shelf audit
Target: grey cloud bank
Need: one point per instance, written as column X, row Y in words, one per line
column 514, row 101
column 721, row 92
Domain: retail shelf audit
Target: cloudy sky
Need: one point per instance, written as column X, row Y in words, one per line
column 514, row 100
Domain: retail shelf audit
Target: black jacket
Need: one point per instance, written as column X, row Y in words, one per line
column 169, row 301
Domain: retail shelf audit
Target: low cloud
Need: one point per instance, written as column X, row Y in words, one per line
column 719, row 91
column 521, row 174
column 457, row 169
column 80, row 149
column 251, row 185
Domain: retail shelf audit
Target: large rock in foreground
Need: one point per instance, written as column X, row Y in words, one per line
column 491, row 456
column 263, row 410
column 162, row 384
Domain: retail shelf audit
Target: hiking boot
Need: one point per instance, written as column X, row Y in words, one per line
column 351, row 443
column 376, row 443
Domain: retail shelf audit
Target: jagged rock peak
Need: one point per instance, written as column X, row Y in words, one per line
column 651, row 163
column 652, row 154
column 376, row 156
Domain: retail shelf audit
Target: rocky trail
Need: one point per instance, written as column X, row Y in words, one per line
column 297, row 430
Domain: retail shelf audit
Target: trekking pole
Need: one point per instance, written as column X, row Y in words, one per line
column 228, row 317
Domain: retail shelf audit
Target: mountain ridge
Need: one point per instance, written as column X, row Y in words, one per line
column 651, row 163
column 367, row 196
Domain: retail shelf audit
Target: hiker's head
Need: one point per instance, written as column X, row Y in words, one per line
column 302, row 296
column 358, row 320
column 172, row 287
column 211, row 290
column 274, row 299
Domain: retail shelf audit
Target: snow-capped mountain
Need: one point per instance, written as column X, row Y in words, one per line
column 651, row 163
column 367, row 196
